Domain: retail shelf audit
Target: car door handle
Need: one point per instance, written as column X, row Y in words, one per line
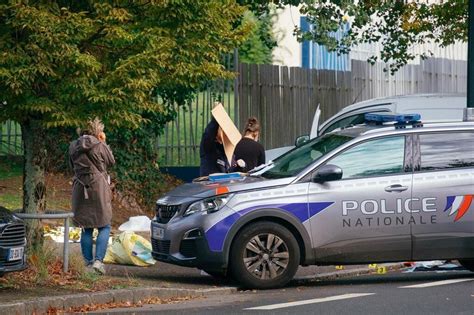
column 396, row 187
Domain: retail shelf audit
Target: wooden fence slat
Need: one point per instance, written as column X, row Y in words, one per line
column 285, row 117
column 275, row 105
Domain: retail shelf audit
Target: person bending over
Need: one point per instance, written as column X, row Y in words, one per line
column 248, row 149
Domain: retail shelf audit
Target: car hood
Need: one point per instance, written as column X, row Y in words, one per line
column 6, row 216
column 205, row 189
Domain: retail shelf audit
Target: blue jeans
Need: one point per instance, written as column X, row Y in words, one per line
column 100, row 244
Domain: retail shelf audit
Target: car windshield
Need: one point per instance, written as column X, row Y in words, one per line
column 294, row 161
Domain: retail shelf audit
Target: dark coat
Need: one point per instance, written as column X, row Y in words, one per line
column 252, row 152
column 213, row 158
column 91, row 193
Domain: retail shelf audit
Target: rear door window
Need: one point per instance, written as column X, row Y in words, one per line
column 442, row 151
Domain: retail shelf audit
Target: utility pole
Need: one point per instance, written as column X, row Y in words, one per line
column 470, row 56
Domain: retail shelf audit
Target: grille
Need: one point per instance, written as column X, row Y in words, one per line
column 13, row 263
column 164, row 213
column 13, row 235
column 187, row 248
column 159, row 246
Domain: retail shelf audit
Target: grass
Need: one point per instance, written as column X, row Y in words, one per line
column 58, row 194
column 11, row 201
column 11, row 194
column 15, row 201
column 10, row 167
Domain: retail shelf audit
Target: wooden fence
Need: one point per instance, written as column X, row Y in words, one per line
column 284, row 100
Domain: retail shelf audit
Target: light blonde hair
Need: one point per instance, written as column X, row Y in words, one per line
column 93, row 127
column 96, row 127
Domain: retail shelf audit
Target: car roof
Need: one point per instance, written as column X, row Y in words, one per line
column 369, row 129
column 431, row 100
column 398, row 98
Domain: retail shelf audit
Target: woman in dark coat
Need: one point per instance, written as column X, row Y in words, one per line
column 211, row 151
column 91, row 192
column 248, row 149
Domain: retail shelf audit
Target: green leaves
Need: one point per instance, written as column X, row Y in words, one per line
column 396, row 25
column 106, row 58
column 126, row 61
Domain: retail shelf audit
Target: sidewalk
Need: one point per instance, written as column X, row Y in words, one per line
column 165, row 282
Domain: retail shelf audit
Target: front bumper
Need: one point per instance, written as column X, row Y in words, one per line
column 185, row 246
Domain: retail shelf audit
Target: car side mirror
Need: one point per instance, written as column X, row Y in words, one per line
column 301, row 140
column 327, row 173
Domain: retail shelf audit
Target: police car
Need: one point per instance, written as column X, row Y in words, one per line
column 12, row 242
column 388, row 190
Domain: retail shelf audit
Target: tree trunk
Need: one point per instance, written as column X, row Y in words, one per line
column 34, row 188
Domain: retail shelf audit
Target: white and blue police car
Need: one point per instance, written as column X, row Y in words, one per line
column 391, row 189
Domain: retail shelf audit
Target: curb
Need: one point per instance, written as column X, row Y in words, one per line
column 65, row 302
column 346, row 273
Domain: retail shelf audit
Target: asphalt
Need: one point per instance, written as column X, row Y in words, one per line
column 163, row 281
column 167, row 281
column 421, row 292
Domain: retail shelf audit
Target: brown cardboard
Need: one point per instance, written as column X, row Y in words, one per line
column 232, row 135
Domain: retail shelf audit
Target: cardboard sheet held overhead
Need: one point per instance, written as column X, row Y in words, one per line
column 232, row 135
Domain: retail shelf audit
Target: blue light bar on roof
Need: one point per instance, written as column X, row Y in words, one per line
column 398, row 118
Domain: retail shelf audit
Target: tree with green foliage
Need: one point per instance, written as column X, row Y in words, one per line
column 64, row 62
column 258, row 47
column 397, row 25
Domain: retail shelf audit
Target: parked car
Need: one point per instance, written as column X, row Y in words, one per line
column 365, row 194
column 431, row 107
column 12, row 242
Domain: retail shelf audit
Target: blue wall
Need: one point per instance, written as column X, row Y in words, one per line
column 316, row 56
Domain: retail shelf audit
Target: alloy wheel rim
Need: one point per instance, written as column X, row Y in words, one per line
column 266, row 256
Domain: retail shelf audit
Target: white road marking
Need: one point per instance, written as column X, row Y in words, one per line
column 312, row 301
column 436, row 283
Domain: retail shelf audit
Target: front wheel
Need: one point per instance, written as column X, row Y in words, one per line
column 468, row 264
column 264, row 255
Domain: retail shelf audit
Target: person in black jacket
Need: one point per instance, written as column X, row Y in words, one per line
column 248, row 149
column 211, row 150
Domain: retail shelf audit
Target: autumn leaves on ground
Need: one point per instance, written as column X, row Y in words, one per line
column 44, row 275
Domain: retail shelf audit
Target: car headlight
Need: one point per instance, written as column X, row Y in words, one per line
column 208, row 205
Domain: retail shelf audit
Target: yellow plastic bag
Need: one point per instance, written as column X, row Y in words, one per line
column 129, row 248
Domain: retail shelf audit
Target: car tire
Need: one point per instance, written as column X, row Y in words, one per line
column 468, row 264
column 264, row 255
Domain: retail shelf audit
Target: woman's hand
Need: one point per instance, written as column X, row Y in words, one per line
column 101, row 136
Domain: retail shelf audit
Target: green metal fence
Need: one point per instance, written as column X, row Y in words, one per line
column 10, row 139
